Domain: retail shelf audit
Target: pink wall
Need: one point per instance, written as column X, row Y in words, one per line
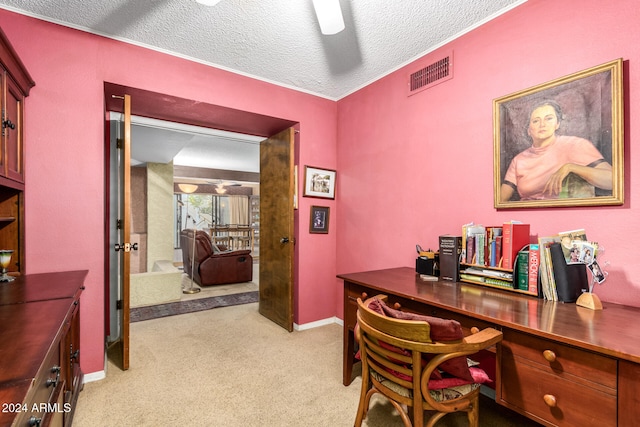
column 417, row 167
column 409, row 169
column 65, row 154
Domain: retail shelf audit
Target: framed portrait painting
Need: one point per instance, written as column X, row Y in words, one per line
column 319, row 182
column 561, row 143
column 319, row 221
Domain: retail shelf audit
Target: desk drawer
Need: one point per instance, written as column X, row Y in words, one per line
column 564, row 386
column 563, row 360
column 534, row 393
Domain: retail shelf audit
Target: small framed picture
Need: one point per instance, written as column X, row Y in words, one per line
column 319, row 182
column 319, row 221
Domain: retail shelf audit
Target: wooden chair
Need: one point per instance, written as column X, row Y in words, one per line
column 398, row 359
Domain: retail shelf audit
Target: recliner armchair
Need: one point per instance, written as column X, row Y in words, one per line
column 214, row 265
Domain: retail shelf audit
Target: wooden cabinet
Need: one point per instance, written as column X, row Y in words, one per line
column 40, row 375
column 15, row 84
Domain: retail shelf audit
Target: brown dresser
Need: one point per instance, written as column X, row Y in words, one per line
column 40, row 375
column 558, row 364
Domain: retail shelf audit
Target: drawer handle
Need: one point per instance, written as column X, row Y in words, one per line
column 550, row 400
column 33, row 421
column 549, row 355
column 364, row 296
column 397, row 306
column 474, row 330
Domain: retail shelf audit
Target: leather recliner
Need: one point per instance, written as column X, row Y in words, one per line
column 214, row 265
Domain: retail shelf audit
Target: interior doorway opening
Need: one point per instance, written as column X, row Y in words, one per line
column 180, row 110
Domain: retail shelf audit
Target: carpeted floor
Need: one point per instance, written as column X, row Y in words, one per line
column 190, row 306
column 232, row 367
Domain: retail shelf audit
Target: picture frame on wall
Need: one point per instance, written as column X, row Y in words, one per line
column 319, row 220
column 319, row 182
column 561, row 143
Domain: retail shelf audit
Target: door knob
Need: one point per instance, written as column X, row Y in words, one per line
column 284, row 240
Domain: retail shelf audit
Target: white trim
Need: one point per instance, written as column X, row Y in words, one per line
column 317, row 323
column 94, row 376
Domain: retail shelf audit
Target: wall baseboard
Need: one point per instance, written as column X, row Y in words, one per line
column 317, row 323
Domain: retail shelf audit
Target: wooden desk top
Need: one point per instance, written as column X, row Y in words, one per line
column 41, row 287
column 612, row 331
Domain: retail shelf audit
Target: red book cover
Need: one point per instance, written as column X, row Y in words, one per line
column 534, row 266
column 515, row 236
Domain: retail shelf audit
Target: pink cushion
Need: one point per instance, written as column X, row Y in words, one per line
column 479, row 377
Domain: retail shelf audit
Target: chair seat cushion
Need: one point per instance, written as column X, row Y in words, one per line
column 450, row 388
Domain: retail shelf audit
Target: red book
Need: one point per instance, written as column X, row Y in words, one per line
column 534, row 265
column 514, row 237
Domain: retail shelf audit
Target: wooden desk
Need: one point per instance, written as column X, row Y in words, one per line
column 558, row 364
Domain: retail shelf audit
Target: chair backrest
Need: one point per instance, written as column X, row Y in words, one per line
column 399, row 357
column 393, row 348
column 204, row 246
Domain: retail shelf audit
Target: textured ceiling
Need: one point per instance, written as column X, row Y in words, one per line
column 278, row 40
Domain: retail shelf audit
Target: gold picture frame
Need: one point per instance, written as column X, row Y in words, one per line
column 588, row 107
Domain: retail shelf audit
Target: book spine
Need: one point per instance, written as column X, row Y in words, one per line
column 492, row 260
column 470, row 248
column 507, row 261
column 450, row 248
column 522, row 276
column 534, row 266
column 480, row 247
column 515, row 237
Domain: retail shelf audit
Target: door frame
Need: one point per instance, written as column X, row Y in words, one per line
column 170, row 108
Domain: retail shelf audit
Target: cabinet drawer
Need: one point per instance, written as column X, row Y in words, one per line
column 45, row 388
column 563, row 360
column 533, row 391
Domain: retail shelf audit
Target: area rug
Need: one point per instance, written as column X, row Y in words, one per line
column 138, row 314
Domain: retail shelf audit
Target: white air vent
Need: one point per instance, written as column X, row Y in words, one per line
column 431, row 75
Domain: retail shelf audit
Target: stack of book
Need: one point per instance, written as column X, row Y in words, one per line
column 564, row 258
column 489, row 255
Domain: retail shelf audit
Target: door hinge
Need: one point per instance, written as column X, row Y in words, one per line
column 119, row 143
column 119, row 224
column 119, row 304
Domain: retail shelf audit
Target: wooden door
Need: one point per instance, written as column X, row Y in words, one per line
column 277, row 228
column 119, row 351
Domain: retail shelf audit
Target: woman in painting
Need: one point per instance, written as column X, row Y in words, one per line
column 555, row 166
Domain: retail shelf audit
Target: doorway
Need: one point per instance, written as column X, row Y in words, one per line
column 180, row 110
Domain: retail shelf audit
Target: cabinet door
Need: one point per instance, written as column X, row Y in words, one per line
column 13, row 158
column 4, row 116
